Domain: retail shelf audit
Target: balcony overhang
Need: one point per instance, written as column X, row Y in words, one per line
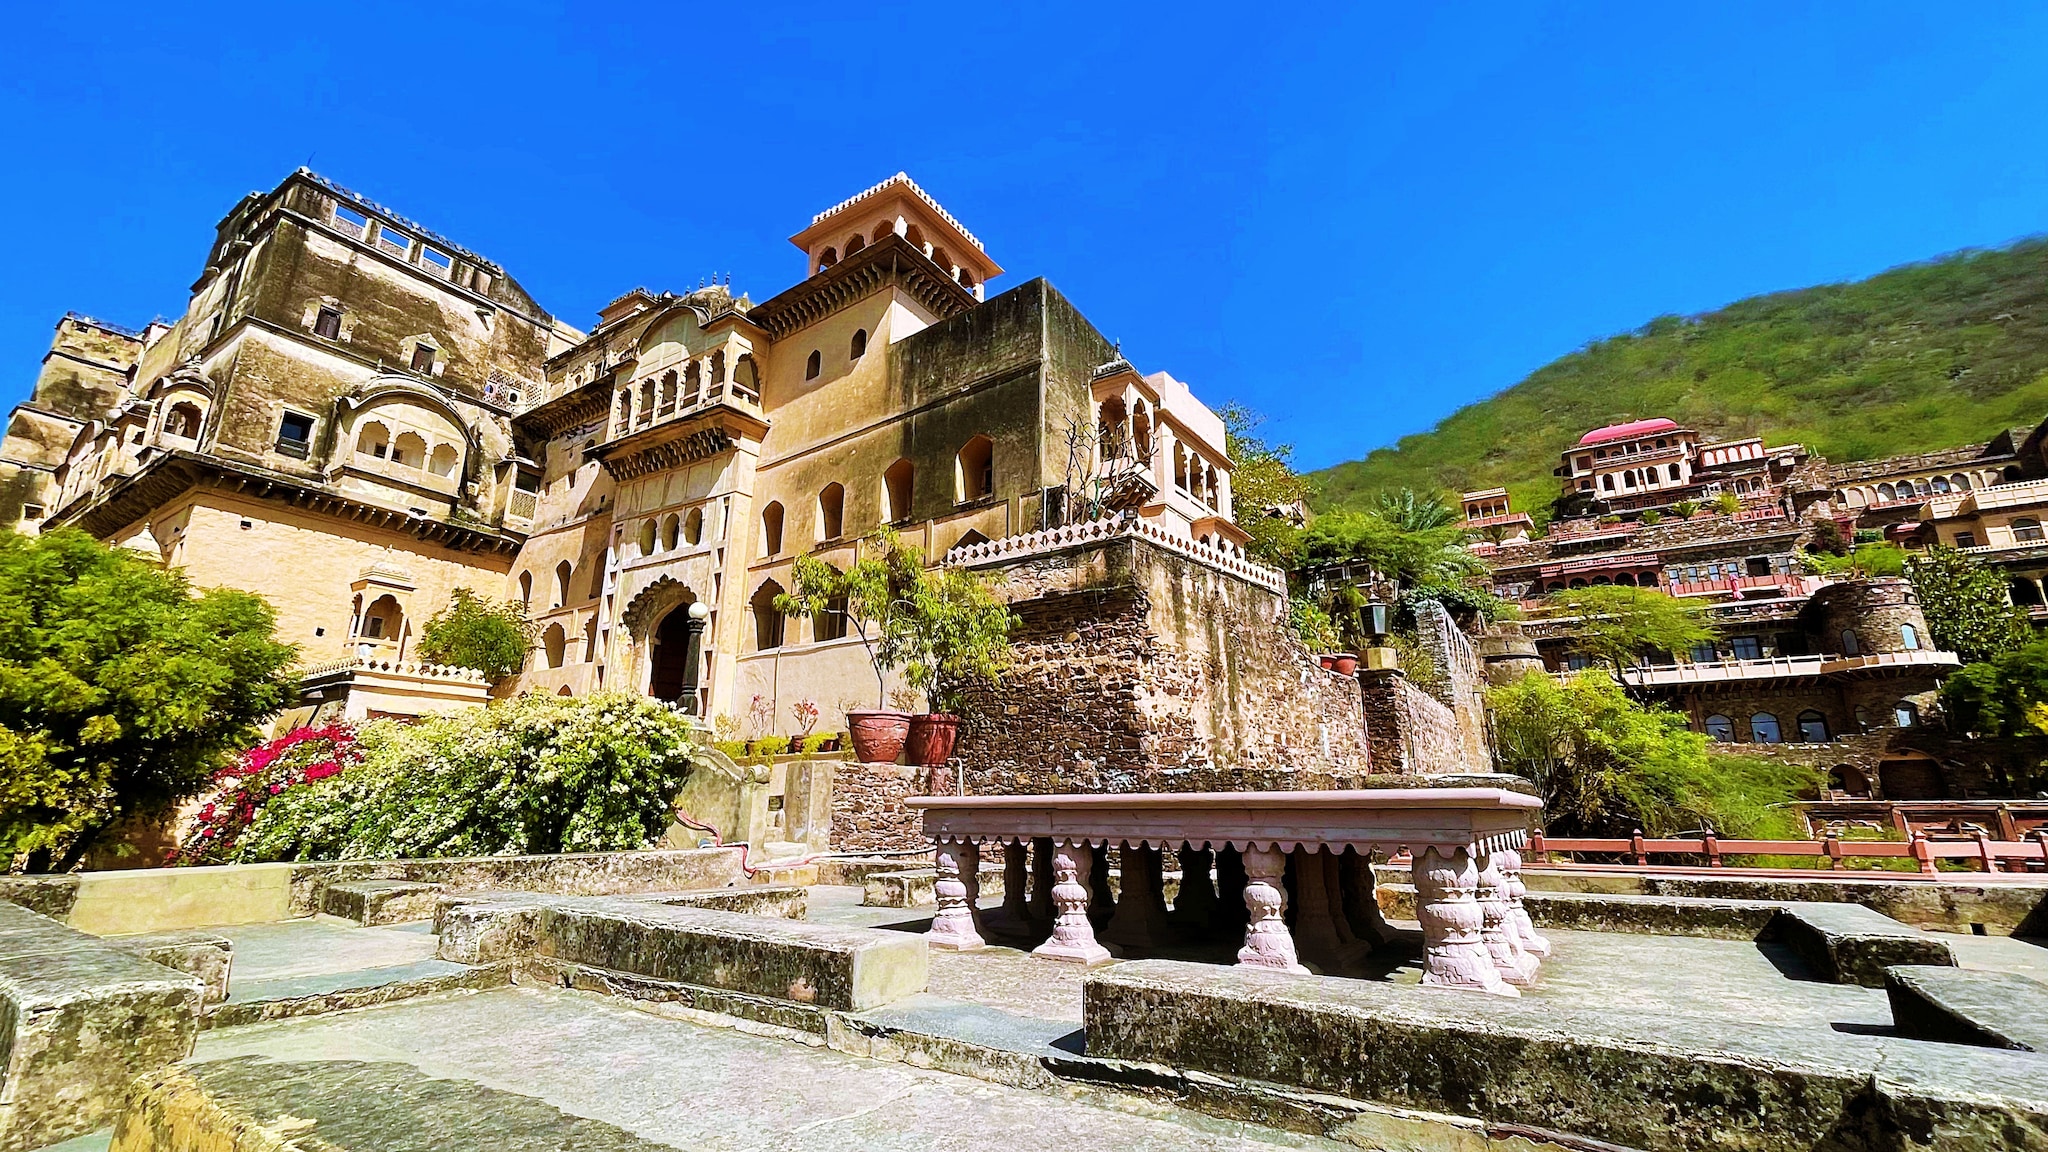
column 700, row 434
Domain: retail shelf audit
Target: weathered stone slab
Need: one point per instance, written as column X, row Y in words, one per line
column 79, row 1020
column 840, row 968
column 1999, row 906
column 50, row 896
column 375, row 902
column 1850, row 944
column 1959, row 1006
column 1643, row 1081
column 1610, row 912
column 916, row 887
column 207, row 955
column 782, row 901
column 567, row 874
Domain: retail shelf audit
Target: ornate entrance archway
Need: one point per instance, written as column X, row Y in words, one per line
column 669, row 659
column 655, row 622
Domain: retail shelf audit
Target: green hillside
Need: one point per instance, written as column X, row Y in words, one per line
column 1926, row 356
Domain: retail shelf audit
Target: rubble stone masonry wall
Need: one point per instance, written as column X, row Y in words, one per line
column 1137, row 670
column 868, row 814
column 1410, row 731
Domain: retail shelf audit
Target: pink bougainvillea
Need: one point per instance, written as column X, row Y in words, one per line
column 296, row 758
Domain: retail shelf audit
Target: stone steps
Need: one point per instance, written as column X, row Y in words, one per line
column 1959, row 1006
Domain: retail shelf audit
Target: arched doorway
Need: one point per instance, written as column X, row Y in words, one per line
column 669, row 665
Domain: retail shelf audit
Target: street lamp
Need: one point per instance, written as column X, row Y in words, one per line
column 693, row 644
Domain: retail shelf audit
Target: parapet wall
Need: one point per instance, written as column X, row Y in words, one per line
column 1139, row 668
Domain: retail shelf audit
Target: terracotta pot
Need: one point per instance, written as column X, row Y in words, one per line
column 1346, row 664
column 932, row 735
column 1327, row 661
column 878, row 734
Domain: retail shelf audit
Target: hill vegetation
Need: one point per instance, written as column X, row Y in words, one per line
column 1925, row 356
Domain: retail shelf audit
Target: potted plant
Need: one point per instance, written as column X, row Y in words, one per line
column 956, row 635
column 1344, row 663
column 876, row 590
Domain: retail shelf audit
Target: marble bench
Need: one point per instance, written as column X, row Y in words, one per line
column 1464, row 843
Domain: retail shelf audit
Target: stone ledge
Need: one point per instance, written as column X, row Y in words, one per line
column 913, row 887
column 1617, row 912
column 835, row 968
column 1957, row 1006
column 2000, row 905
column 80, row 1019
column 206, row 955
column 376, row 902
column 1656, row 1083
column 1850, row 944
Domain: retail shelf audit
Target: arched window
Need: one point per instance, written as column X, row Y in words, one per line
column 1674, row 471
column 1862, row 718
column 1763, row 729
column 183, row 422
column 373, row 439
column 771, row 529
column 625, row 413
column 767, row 618
column 916, row 237
column 590, row 639
column 1109, row 427
column 1886, row 493
column 827, row 258
column 746, row 378
column 813, row 365
column 668, row 392
column 442, row 462
column 1910, row 637
column 385, row 620
column 646, row 401
column 1960, row 482
column 2025, row 592
column 1813, row 727
column 1940, row 485
column 693, row 527
column 563, row 572
column 2026, row 530
column 855, row 244
column 554, row 645
column 859, row 347
column 1905, row 713
column 896, row 488
column 1141, row 431
column 410, row 449
column 1720, row 728
column 974, row 470
column 1607, row 482
column 647, row 536
column 941, row 257
column 525, row 591
column 1850, row 646
column 830, row 621
column 831, row 511
column 718, row 366
column 693, row 383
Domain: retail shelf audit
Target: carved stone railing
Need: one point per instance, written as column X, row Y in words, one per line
column 1011, row 548
column 415, row 669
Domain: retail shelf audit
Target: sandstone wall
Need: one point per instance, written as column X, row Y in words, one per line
column 1140, row 670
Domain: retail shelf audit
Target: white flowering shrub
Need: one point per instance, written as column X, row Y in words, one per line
column 539, row 774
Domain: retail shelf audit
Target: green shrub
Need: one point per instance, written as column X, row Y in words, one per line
column 472, row 632
column 539, row 774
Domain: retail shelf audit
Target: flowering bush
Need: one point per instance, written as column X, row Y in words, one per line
column 299, row 757
column 538, row 774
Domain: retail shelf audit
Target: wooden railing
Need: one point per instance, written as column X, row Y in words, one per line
column 2030, row 854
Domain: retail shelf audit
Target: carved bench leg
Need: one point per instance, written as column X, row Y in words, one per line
column 1266, row 941
column 1073, row 937
column 1518, row 916
column 953, row 926
column 1446, row 903
column 1139, row 922
column 1502, row 944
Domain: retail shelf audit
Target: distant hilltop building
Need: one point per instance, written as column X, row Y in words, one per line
column 1643, row 465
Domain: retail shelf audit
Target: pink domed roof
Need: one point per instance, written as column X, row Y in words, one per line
column 1627, row 431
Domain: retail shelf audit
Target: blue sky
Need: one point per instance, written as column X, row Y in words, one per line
column 1352, row 218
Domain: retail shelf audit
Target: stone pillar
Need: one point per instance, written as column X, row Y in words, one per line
column 1454, row 953
column 1356, row 884
column 1518, row 917
column 1140, row 922
column 1266, row 942
column 1196, row 903
column 1516, row 966
column 953, row 927
column 1041, row 907
column 1101, row 901
column 1073, row 937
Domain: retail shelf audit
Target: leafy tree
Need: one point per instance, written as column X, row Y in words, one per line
column 1619, row 623
column 1410, row 556
column 1465, row 602
column 1413, row 511
column 1684, row 509
column 1312, row 625
column 538, row 774
column 120, row 690
column 1607, row 765
column 472, row 632
column 1966, row 606
column 1265, row 491
column 1727, row 504
column 958, row 635
column 1651, row 517
column 1877, row 559
column 877, row 589
column 1827, row 539
column 2006, row 695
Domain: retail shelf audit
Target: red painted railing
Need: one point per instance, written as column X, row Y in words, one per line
column 2030, row 854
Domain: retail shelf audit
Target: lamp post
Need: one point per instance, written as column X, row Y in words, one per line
column 1379, row 621
column 693, row 646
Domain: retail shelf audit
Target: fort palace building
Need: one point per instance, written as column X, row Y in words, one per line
column 355, row 416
